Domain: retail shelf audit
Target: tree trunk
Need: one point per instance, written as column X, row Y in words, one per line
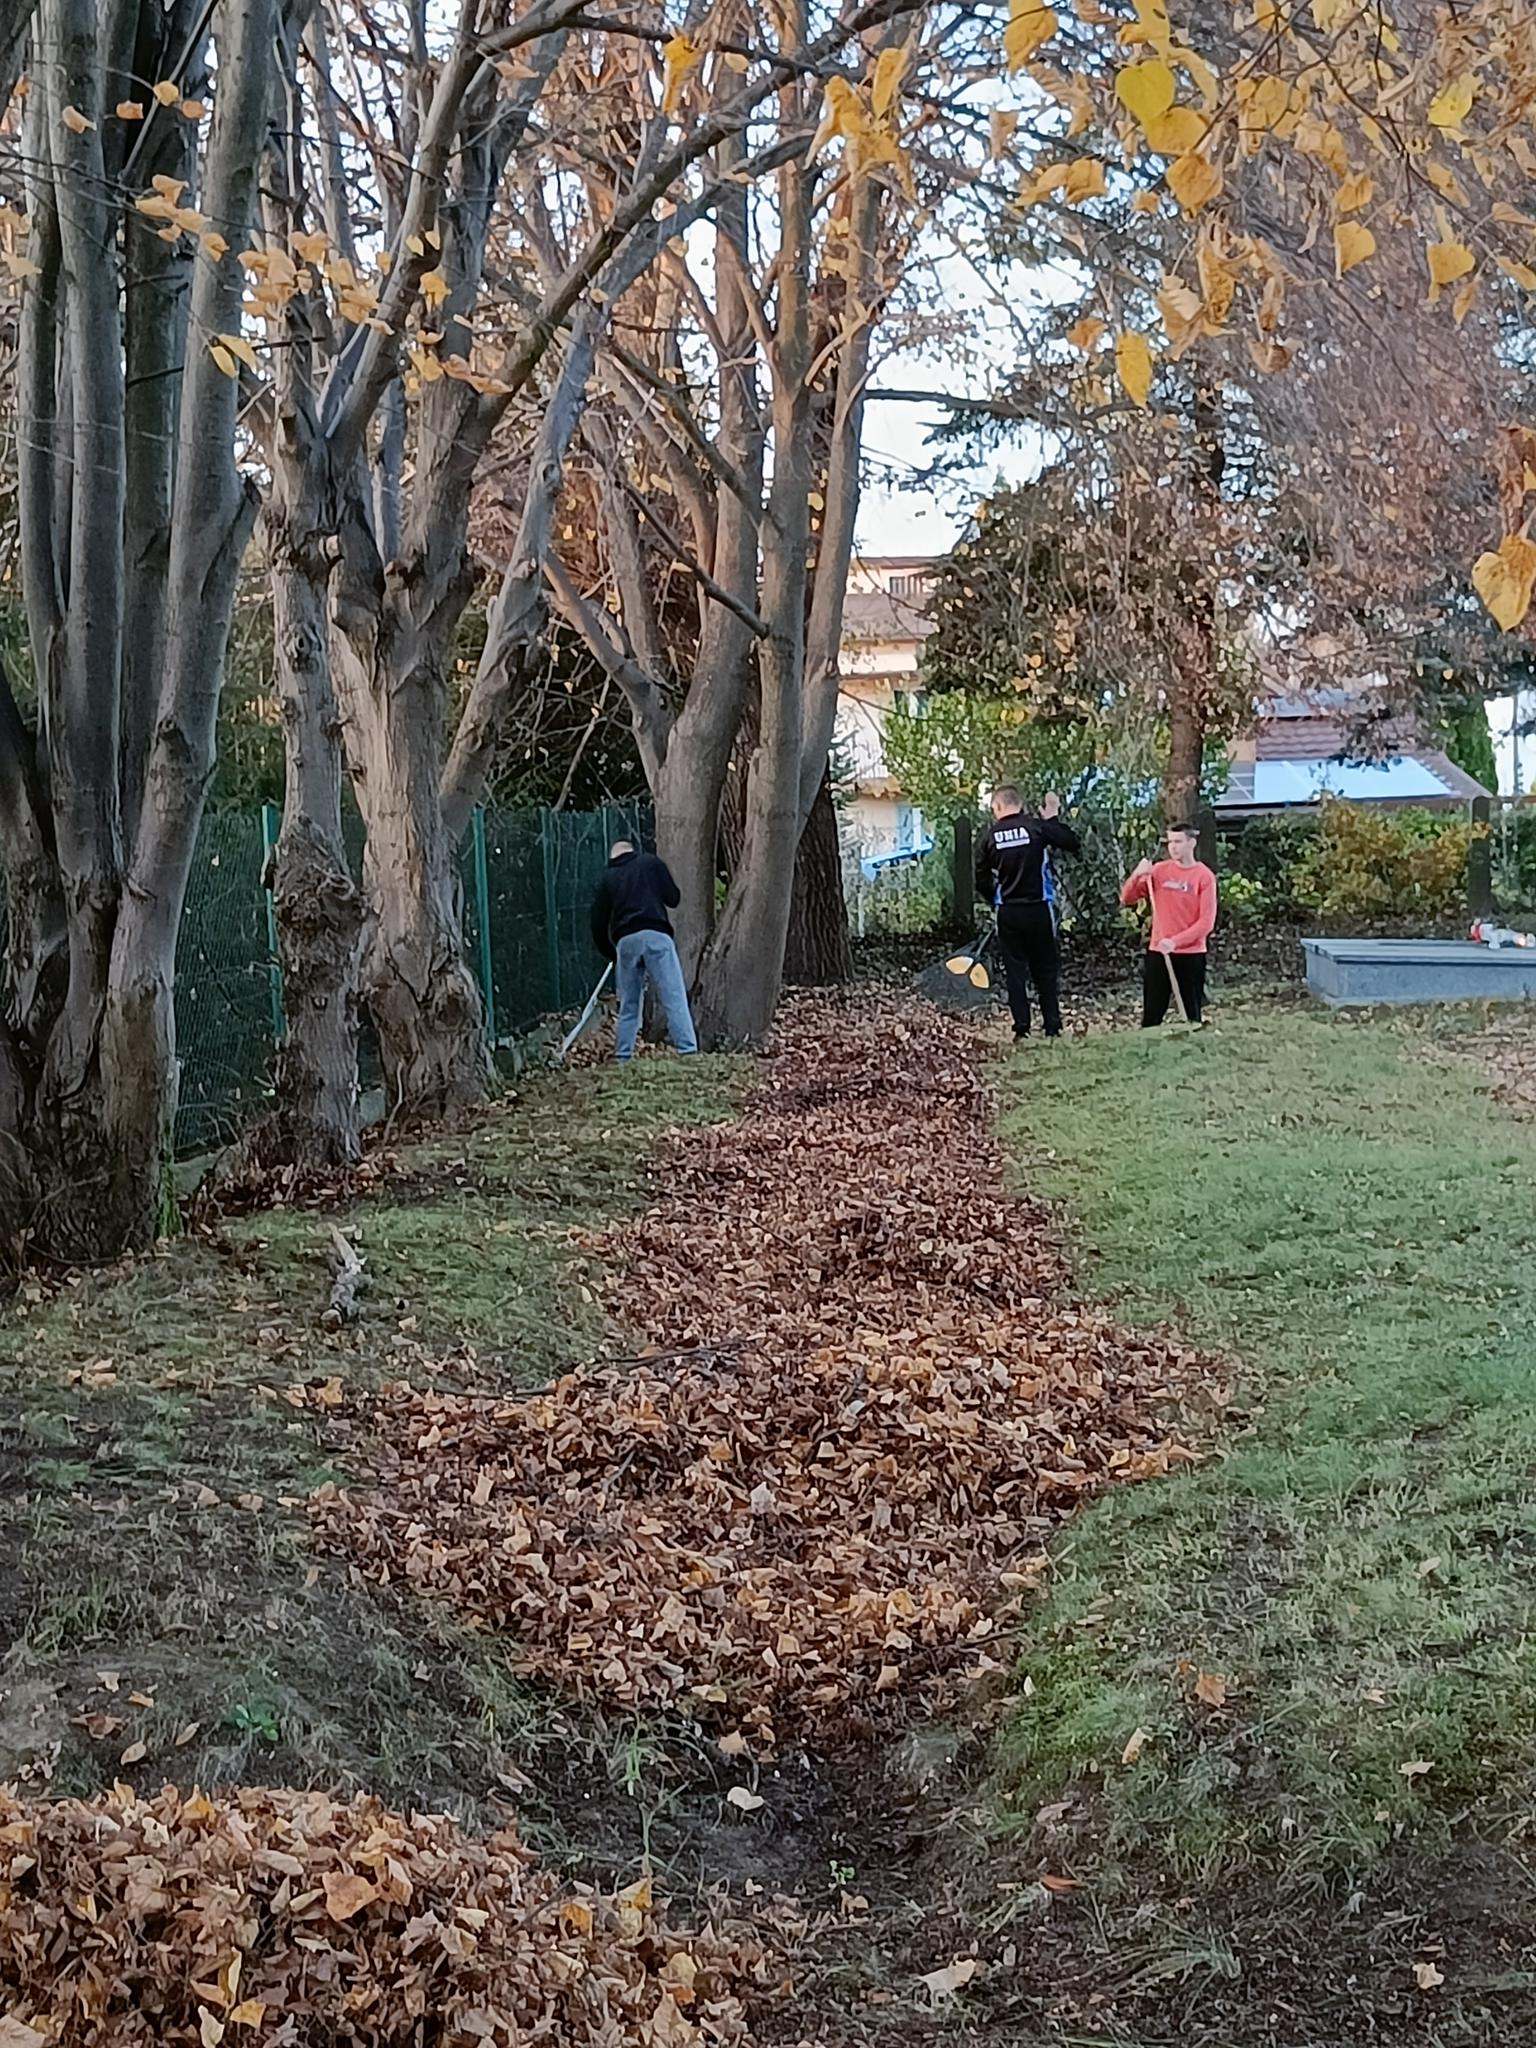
column 1186, row 749
column 424, row 1001
column 819, row 950
column 388, row 666
column 317, row 904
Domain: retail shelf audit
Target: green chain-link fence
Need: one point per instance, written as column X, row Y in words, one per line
column 528, row 879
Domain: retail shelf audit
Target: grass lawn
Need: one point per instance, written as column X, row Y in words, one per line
column 161, row 1426
column 1356, row 1224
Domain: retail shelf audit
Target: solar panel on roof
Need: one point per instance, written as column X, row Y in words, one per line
column 1302, row 782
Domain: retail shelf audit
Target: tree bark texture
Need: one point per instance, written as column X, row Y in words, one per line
column 818, row 952
column 99, row 809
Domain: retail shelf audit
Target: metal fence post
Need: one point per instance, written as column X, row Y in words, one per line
column 483, row 922
column 271, row 826
column 551, row 905
column 1480, row 861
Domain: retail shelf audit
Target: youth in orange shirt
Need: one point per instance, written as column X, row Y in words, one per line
column 1182, row 892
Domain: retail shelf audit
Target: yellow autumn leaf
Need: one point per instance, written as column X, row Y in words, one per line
column 1200, row 73
column 1354, row 193
column 168, row 93
column 1218, row 279
column 1145, row 203
column 1452, row 104
column 312, row 248
column 249, row 2014
column 130, row 110
column 680, row 59
column 1086, row 333
column 1522, row 273
column 214, row 246
column 76, row 122
column 1146, row 90
column 1505, row 578
column 1262, row 102
column 1133, row 366
column 889, row 72
column 240, row 348
column 20, row 267
column 1448, row 261
column 193, row 110
column 224, row 360
column 1177, row 132
column 1085, row 180
column 1352, row 244
column 1031, row 26
column 435, row 288
column 1465, row 299
column 1193, row 180
column 1002, row 126
column 1183, row 313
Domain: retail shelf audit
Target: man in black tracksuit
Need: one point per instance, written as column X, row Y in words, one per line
column 1013, row 873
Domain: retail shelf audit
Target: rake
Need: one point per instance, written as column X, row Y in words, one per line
column 584, row 1019
column 971, row 965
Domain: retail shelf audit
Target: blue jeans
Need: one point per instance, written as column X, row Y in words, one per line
column 652, row 957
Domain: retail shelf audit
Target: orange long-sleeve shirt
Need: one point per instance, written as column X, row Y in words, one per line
column 1183, row 903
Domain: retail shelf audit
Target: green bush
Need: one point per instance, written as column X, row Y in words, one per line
column 1244, row 900
column 1366, row 862
column 1272, row 852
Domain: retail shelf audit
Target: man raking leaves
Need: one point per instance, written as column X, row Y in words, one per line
column 1013, row 872
column 1182, row 893
column 630, row 927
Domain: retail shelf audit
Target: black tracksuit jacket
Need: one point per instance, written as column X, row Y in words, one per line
column 1011, row 868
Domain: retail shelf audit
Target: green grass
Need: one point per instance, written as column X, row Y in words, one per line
column 153, row 1476
column 1357, row 1226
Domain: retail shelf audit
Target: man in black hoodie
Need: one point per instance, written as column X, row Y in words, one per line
column 630, row 926
column 1013, row 873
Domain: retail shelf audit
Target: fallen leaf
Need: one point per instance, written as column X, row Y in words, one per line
column 1417, row 1768
column 1427, row 1977
column 733, row 1745
column 135, row 1753
column 1211, row 1690
column 1132, row 1751
column 1059, row 1884
column 188, row 1734
column 250, row 2013
column 945, row 1983
column 347, row 1894
column 743, row 1800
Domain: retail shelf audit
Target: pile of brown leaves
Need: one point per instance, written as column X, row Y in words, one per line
column 285, row 1918
column 873, row 1402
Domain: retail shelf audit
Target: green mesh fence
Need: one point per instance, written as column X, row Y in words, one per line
column 527, row 881
column 225, row 983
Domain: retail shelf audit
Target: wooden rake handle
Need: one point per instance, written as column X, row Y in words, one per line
column 1173, row 979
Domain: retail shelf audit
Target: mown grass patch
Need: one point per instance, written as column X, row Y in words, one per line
column 1357, row 1227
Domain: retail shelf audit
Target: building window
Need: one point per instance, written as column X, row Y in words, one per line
column 909, row 586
